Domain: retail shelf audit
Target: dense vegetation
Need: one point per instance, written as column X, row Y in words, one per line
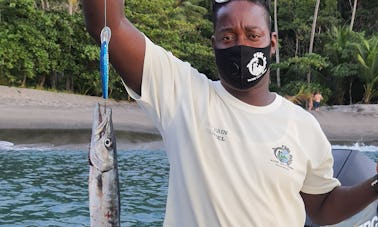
column 43, row 44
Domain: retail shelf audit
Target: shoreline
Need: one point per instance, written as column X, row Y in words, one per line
column 33, row 111
column 349, row 124
column 23, row 108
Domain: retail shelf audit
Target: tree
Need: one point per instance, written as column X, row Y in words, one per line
column 313, row 35
column 181, row 27
column 294, row 29
column 278, row 48
column 353, row 15
column 41, row 44
column 368, row 58
column 341, row 52
column 23, row 55
column 301, row 65
column 365, row 18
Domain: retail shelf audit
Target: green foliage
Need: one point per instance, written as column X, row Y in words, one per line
column 341, row 51
column 179, row 26
column 298, row 67
column 44, row 46
column 16, row 62
column 368, row 58
column 343, row 68
column 366, row 15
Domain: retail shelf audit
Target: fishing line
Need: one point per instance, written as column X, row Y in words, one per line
column 105, row 27
column 104, row 13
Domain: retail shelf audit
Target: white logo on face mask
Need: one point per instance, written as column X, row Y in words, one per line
column 254, row 66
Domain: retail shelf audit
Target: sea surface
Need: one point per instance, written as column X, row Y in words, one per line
column 44, row 185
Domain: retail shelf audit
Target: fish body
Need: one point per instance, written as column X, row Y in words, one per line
column 103, row 185
column 104, row 60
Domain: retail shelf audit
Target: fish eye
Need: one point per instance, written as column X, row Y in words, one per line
column 108, row 143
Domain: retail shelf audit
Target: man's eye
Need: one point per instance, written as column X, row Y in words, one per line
column 227, row 38
column 253, row 36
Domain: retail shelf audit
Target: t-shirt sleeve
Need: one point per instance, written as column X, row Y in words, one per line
column 166, row 82
column 319, row 178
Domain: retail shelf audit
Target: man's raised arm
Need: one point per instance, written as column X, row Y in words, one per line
column 127, row 44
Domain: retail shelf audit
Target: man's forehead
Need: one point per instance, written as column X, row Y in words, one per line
column 249, row 16
column 217, row 4
column 239, row 5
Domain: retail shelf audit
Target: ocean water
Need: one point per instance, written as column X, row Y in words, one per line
column 44, row 185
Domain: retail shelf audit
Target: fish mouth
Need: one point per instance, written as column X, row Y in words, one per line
column 102, row 124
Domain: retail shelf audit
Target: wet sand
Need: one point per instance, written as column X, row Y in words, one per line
column 29, row 111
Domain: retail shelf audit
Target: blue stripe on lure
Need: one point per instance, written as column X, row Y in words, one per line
column 104, row 60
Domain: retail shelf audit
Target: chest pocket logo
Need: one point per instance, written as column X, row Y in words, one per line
column 283, row 155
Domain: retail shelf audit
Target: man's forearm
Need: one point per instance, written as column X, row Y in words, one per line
column 343, row 202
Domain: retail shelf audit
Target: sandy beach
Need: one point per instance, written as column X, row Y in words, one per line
column 29, row 109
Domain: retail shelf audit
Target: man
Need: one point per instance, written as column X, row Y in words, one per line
column 317, row 99
column 239, row 154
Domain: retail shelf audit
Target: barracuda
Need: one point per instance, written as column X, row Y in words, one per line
column 103, row 185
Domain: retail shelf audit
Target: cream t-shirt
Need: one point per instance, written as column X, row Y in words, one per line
column 231, row 164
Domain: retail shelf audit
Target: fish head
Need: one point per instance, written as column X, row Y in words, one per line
column 102, row 154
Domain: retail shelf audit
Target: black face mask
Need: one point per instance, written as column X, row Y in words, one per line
column 242, row 67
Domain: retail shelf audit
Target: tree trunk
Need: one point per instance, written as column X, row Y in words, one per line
column 68, row 83
column 353, row 15
column 42, row 81
column 53, row 80
column 277, row 48
column 339, row 91
column 369, row 90
column 70, row 9
column 23, row 84
column 71, row 6
column 350, row 91
column 313, row 35
column 42, row 5
column 45, row 6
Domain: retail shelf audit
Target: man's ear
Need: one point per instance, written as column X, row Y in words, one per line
column 273, row 43
column 213, row 41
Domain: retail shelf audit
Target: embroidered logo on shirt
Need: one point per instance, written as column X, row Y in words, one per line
column 217, row 133
column 283, row 155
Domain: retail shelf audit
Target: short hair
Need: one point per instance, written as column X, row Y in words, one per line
column 265, row 4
